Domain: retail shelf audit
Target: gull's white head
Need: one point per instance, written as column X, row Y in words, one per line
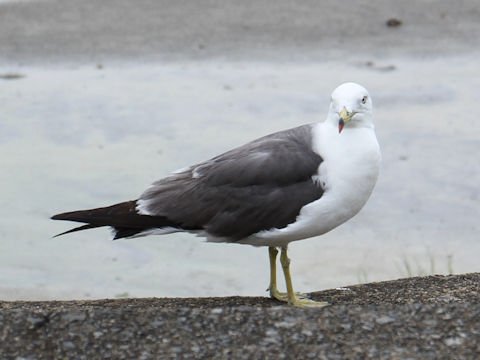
column 351, row 106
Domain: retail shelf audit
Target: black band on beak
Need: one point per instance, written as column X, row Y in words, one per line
column 340, row 125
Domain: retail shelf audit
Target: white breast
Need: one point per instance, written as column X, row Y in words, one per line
column 349, row 170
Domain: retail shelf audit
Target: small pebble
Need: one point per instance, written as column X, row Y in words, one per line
column 393, row 22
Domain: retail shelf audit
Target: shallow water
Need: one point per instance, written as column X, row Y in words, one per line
column 80, row 137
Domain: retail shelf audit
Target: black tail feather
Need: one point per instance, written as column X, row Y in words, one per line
column 80, row 228
column 123, row 217
column 121, row 233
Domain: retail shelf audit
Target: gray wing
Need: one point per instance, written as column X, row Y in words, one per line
column 258, row 186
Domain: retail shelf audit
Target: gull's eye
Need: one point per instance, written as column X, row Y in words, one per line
column 364, row 99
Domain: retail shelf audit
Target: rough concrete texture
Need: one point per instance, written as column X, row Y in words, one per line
column 433, row 317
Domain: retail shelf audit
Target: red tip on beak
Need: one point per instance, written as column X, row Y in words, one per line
column 340, row 125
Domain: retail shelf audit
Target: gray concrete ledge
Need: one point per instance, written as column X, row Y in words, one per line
column 433, row 317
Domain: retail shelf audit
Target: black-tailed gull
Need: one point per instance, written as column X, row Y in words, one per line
column 283, row 187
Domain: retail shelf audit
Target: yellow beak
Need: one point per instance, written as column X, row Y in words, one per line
column 345, row 117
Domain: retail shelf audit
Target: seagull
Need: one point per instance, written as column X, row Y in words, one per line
column 287, row 186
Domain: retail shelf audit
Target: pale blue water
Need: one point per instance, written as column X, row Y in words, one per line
column 74, row 138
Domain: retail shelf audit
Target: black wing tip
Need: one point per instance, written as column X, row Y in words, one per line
column 63, row 216
column 56, row 217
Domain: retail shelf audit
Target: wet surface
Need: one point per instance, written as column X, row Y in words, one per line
column 86, row 125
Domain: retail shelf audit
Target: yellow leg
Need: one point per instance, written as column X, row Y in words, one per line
column 272, row 254
column 292, row 298
column 274, row 293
